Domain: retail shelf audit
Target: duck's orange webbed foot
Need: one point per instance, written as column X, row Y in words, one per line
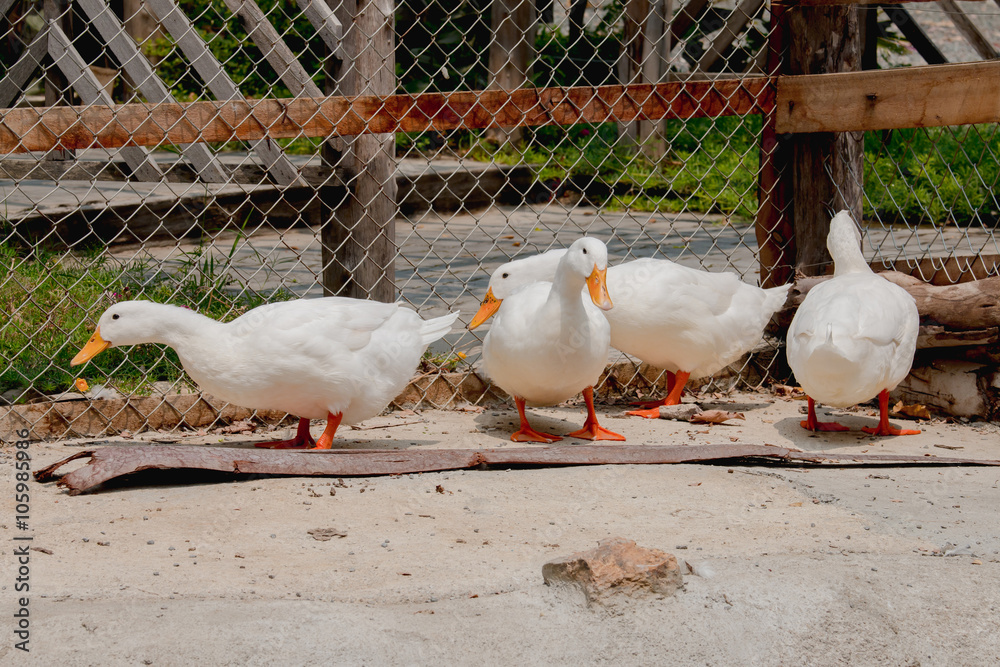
column 526, row 433
column 651, row 413
column 884, row 427
column 591, row 429
column 813, row 424
column 822, row 426
column 889, row 430
column 302, row 439
column 594, row 431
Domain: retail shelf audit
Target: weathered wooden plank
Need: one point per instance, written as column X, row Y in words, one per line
column 944, row 270
column 107, row 463
column 218, row 82
column 277, row 53
column 686, row 17
column 19, row 75
column 886, row 99
column 964, row 24
column 730, row 31
column 139, row 70
column 30, row 129
column 326, row 23
column 5, row 6
column 76, row 71
column 914, row 34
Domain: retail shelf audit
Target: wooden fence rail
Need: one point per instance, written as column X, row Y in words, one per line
column 27, row 129
column 928, row 96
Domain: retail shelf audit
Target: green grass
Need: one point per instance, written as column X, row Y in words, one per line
column 54, row 305
column 917, row 176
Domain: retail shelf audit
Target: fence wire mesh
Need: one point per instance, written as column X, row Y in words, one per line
column 420, row 217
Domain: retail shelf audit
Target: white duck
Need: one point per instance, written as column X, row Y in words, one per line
column 550, row 342
column 854, row 335
column 689, row 322
column 339, row 358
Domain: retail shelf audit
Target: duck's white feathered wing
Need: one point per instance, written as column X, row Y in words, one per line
column 679, row 318
column 335, row 354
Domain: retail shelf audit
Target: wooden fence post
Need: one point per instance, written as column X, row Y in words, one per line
column 827, row 167
column 645, row 58
column 358, row 238
column 511, row 52
column 773, row 226
column 805, row 178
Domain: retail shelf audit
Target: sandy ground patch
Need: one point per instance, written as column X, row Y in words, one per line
column 799, row 565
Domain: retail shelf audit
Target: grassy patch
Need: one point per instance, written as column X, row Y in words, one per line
column 54, row 304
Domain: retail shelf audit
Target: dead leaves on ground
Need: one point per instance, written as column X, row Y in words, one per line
column 915, row 411
column 715, row 417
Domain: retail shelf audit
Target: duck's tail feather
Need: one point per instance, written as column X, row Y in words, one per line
column 434, row 329
column 775, row 298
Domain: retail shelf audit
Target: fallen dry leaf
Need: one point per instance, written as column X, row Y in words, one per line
column 472, row 408
column 715, row 417
column 242, row 426
column 786, row 390
column 917, row 411
column 323, row 534
column 798, row 504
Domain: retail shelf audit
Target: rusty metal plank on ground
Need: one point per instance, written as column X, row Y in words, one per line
column 108, row 463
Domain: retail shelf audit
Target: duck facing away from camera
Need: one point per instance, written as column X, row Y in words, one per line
column 336, row 358
column 550, row 341
column 854, row 336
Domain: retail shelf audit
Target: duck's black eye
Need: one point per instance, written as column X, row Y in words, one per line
column 115, row 316
column 505, row 275
column 584, row 251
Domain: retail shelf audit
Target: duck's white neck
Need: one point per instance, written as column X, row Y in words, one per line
column 178, row 327
column 568, row 284
column 846, row 252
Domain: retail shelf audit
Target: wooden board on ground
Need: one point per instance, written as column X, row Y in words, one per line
column 110, row 462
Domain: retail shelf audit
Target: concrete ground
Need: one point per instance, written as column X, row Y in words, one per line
column 795, row 565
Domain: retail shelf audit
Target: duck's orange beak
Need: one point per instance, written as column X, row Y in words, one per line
column 94, row 347
column 597, row 284
column 489, row 306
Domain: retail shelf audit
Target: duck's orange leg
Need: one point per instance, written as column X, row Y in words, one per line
column 673, row 398
column 332, row 422
column 526, row 433
column 813, row 424
column 671, row 381
column 591, row 429
column 302, row 439
column 884, row 428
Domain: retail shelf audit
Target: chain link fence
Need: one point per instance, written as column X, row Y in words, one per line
column 420, row 217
